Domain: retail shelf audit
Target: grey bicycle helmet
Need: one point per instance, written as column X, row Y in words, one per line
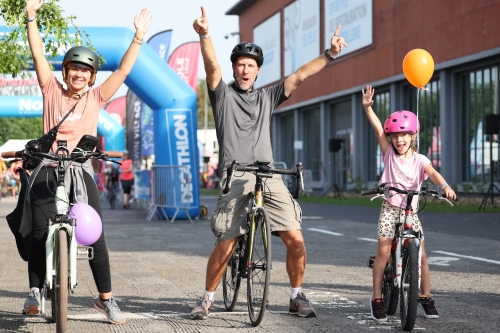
column 84, row 57
column 248, row 50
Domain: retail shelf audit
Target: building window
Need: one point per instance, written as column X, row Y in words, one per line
column 429, row 139
column 287, row 131
column 382, row 109
column 312, row 142
column 480, row 93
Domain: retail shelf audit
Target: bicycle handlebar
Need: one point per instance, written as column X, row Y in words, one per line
column 383, row 190
column 75, row 155
column 263, row 170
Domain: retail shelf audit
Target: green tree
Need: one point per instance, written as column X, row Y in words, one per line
column 200, row 107
column 20, row 128
column 16, row 56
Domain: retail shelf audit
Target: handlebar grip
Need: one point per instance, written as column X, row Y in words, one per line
column 12, row 154
column 229, row 178
column 299, row 188
column 368, row 192
column 113, row 154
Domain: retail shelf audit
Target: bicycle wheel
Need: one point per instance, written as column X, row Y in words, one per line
column 231, row 279
column 112, row 196
column 59, row 295
column 259, row 266
column 390, row 292
column 409, row 286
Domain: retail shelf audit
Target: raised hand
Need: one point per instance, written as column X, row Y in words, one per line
column 368, row 96
column 337, row 42
column 142, row 21
column 33, row 6
column 200, row 25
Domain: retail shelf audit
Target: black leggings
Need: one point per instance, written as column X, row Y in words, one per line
column 43, row 207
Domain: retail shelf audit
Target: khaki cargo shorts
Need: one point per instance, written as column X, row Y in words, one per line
column 229, row 218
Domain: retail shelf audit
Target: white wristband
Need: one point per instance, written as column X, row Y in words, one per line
column 30, row 19
column 205, row 36
column 444, row 185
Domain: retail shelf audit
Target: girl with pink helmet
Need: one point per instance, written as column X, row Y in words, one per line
column 403, row 166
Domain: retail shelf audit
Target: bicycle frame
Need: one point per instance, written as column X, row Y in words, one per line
column 256, row 201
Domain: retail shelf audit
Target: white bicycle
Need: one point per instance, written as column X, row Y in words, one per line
column 61, row 248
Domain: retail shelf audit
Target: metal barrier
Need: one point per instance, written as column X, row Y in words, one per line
column 168, row 198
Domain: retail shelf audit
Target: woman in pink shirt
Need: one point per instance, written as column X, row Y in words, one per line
column 79, row 70
column 402, row 165
column 126, row 178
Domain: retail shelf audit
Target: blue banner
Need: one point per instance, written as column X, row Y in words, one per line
column 181, row 138
column 142, row 185
column 161, row 43
column 147, row 144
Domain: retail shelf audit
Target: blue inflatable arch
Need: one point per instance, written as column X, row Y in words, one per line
column 172, row 100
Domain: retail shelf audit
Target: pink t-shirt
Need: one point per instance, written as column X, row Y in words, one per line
column 83, row 120
column 410, row 173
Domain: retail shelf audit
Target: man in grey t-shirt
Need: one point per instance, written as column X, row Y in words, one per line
column 242, row 119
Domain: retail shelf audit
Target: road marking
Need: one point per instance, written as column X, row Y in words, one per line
column 312, row 217
column 127, row 315
column 369, row 240
column 392, row 323
column 326, row 232
column 441, row 261
column 468, row 257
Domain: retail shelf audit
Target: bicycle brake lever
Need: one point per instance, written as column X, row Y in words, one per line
column 377, row 196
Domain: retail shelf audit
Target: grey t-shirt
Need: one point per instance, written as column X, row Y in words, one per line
column 243, row 121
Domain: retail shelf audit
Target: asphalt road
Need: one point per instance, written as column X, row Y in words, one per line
column 158, row 272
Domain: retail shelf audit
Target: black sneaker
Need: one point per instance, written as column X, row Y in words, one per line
column 430, row 309
column 377, row 308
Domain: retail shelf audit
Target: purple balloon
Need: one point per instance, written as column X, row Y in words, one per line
column 88, row 223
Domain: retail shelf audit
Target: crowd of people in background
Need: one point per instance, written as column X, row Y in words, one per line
column 9, row 185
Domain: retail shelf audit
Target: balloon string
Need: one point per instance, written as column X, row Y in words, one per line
column 418, row 132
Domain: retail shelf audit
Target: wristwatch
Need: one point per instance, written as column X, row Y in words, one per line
column 328, row 55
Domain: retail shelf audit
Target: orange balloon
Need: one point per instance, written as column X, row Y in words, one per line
column 418, row 67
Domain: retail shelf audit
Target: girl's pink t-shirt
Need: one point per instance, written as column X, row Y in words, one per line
column 410, row 173
column 83, row 120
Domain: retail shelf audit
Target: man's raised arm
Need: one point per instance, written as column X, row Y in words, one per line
column 212, row 68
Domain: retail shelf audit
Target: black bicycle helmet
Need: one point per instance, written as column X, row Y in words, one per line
column 249, row 50
column 84, row 57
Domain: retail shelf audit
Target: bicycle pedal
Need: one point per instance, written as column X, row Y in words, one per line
column 84, row 252
column 371, row 260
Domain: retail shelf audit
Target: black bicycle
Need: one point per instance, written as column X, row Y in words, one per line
column 402, row 272
column 251, row 257
column 112, row 194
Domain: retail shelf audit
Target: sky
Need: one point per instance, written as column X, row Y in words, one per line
column 167, row 14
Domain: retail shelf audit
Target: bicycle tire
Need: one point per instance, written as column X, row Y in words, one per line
column 231, row 280
column 391, row 293
column 409, row 286
column 112, row 196
column 259, row 266
column 60, row 286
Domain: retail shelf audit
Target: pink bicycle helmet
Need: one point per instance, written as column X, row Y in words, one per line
column 401, row 121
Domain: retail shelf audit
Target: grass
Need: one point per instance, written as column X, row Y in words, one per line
column 464, row 205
